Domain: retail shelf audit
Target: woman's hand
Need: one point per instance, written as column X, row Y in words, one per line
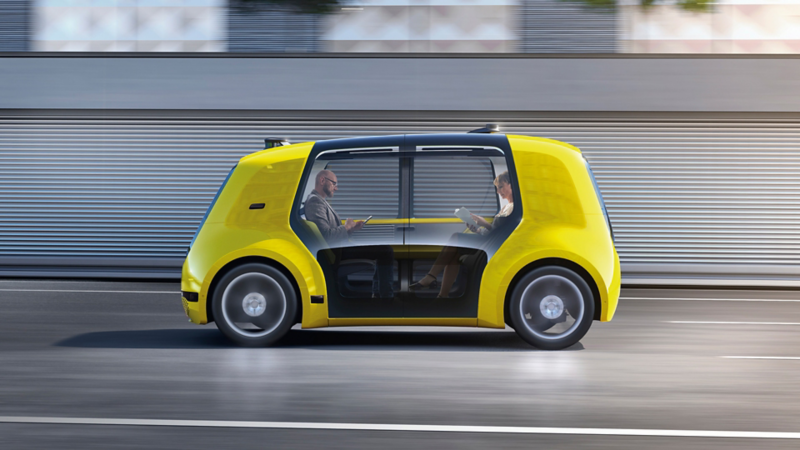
column 481, row 221
column 472, row 228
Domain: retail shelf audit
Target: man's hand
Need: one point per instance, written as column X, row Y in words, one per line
column 350, row 225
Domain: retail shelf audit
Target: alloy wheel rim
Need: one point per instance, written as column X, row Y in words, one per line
column 552, row 307
column 253, row 304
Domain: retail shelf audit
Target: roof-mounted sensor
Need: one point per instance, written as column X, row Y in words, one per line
column 275, row 142
column 489, row 128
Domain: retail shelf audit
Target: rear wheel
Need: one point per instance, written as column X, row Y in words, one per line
column 551, row 308
column 254, row 305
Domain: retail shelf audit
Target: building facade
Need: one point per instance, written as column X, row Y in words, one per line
column 400, row 26
column 731, row 26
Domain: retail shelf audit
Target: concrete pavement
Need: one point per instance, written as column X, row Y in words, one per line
column 130, row 354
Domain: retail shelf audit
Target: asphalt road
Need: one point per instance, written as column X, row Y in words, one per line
column 69, row 353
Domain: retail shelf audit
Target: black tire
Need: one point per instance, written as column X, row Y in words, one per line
column 254, row 305
column 548, row 290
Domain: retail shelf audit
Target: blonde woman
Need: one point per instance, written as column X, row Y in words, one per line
column 448, row 260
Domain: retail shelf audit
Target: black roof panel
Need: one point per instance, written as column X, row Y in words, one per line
column 360, row 142
column 412, row 140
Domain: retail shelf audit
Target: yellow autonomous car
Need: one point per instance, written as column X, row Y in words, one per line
column 478, row 229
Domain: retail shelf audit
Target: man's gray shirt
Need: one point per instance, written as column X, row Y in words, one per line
column 319, row 211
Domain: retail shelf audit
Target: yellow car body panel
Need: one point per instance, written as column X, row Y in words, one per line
column 233, row 231
column 562, row 218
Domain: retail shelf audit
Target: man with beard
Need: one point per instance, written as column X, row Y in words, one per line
column 319, row 211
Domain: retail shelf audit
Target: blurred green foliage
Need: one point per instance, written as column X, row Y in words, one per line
column 689, row 5
column 696, row 5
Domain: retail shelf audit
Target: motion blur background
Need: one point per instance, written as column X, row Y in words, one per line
column 391, row 26
column 119, row 119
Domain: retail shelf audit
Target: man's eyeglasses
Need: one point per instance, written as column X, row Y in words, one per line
column 334, row 182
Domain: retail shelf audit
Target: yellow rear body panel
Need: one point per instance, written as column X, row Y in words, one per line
column 562, row 219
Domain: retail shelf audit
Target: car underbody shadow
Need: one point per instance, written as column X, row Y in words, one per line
column 416, row 340
column 323, row 339
column 165, row 338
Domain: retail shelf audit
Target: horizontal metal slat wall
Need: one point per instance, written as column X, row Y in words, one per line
column 105, row 193
column 690, row 196
column 441, row 185
column 565, row 26
column 271, row 28
column 369, row 187
column 15, row 25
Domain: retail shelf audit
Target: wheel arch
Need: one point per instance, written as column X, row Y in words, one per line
column 247, row 260
column 565, row 263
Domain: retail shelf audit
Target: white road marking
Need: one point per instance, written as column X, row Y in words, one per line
column 731, row 323
column 623, row 298
column 791, row 358
column 697, row 299
column 400, row 427
column 90, row 291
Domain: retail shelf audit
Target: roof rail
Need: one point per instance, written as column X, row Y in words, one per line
column 273, row 142
column 489, row 128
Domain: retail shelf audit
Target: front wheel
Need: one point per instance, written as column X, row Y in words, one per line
column 254, row 305
column 551, row 308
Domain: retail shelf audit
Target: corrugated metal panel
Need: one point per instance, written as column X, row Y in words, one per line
column 564, row 26
column 443, row 184
column 708, row 196
column 371, row 187
column 86, row 192
column 368, row 187
column 373, row 233
column 14, row 25
column 272, row 29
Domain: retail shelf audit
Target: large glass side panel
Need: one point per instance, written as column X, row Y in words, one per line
column 461, row 210
column 358, row 256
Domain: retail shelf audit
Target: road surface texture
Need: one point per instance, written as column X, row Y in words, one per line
column 99, row 365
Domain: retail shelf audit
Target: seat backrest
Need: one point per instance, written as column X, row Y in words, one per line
column 320, row 243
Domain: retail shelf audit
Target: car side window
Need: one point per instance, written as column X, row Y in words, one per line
column 366, row 187
column 443, row 184
column 346, row 185
column 343, row 189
